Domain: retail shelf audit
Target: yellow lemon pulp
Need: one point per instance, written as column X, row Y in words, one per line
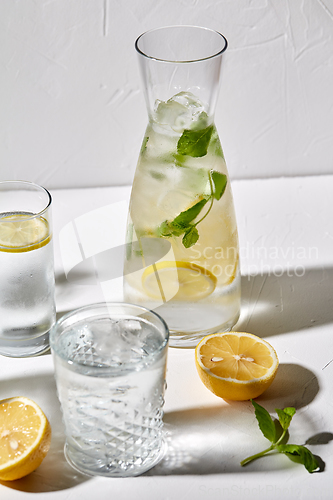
column 236, row 365
column 178, row 280
column 22, row 232
column 25, row 437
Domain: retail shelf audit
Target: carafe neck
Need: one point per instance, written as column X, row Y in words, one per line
column 181, row 59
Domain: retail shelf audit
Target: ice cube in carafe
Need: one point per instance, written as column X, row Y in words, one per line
column 180, row 111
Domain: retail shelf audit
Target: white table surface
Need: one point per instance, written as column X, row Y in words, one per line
column 286, row 238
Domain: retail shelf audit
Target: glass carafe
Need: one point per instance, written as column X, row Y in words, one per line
column 182, row 257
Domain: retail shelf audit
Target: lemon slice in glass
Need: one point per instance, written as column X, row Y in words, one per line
column 22, row 232
column 236, row 365
column 183, row 281
column 25, row 437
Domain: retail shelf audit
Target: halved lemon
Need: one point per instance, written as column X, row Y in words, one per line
column 176, row 280
column 236, row 365
column 22, row 232
column 25, row 437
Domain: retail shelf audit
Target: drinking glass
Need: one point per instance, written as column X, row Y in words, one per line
column 110, row 364
column 27, row 306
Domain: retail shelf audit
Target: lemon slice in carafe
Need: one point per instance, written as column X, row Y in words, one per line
column 182, row 281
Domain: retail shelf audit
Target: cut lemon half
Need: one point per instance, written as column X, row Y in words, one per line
column 25, row 437
column 22, row 232
column 236, row 366
column 168, row 280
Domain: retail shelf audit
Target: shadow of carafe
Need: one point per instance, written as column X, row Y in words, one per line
column 296, row 299
column 54, row 473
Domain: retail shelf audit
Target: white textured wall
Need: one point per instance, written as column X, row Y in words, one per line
column 71, row 108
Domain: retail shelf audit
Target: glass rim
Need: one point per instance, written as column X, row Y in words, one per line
column 141, row 52
column 99, row 306
column 38, row 188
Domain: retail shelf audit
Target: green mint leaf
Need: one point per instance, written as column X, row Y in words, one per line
column 144, row 144
column 164, row 229
column 180, row 160
column 191, row 237
column 182, row 224
column 220, row 183
column 299, row 454
column 194, row 142
column 157, row 175
column 265, row 422
column 216, row 145
column 184, row 218
column 167, row 229
column 285, row 416
column 296, row 453
column 177, row 229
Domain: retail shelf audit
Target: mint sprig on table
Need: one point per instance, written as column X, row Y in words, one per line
column 194, row 143
column 296, row 453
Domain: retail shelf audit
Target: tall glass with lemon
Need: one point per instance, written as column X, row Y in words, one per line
column 27, row 306
column 182, row 256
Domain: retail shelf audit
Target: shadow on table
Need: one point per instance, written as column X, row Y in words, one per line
column 200, row 441
column 214, row 440
column 284, row 302
column 211, row 440
column 54, row 473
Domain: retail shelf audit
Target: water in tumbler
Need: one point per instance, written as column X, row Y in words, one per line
column 27, row 309
column 111, row 391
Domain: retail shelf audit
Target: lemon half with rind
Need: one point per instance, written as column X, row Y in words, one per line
column 25, row 437
column 236, row 365
column 22, row 233
column 177, row 280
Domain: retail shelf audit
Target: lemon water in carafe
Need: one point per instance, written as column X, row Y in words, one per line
column 182, row 256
